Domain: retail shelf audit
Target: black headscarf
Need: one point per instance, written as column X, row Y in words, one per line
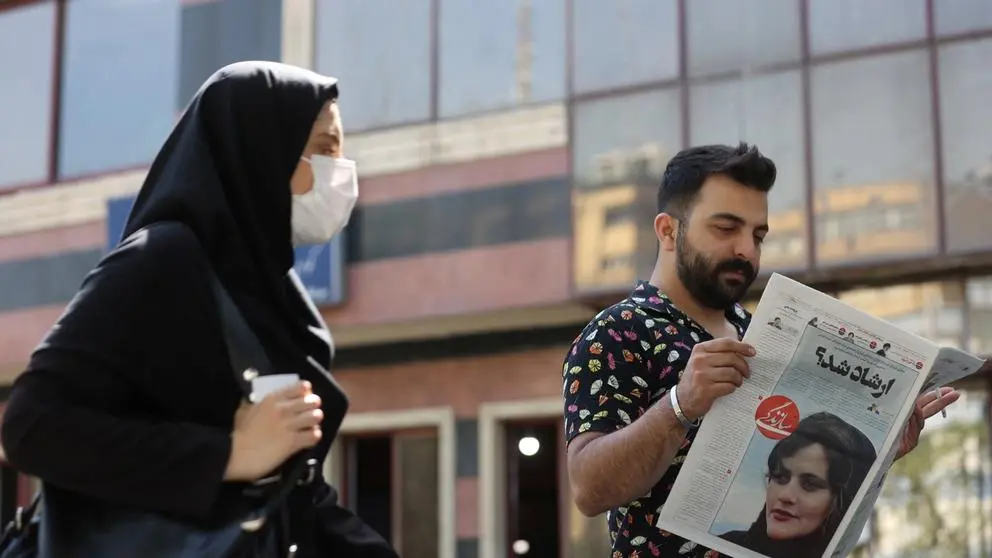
column 225, row 172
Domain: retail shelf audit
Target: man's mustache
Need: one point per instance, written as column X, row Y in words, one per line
column 742, row 266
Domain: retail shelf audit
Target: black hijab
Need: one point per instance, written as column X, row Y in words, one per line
column 225, row 171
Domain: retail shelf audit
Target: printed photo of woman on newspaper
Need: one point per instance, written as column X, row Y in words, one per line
column 812, row 477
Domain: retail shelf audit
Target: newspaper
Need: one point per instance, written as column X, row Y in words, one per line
column 790, row 465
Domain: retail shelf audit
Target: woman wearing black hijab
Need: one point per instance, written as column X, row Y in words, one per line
column 130, row 399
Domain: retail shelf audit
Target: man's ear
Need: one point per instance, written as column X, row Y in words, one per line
column 665, row 227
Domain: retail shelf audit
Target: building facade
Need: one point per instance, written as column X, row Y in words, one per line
column 509, row 153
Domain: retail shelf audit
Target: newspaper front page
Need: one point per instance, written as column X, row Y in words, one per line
column 790, row 464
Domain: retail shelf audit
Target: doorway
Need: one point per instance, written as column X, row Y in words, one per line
column 391, row 480
column 533, row 492
column 508, row 477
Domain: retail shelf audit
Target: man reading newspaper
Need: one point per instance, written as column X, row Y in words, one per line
column 642, row 374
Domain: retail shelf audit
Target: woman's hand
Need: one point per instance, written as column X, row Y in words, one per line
column 269, row 432
column 241, row 413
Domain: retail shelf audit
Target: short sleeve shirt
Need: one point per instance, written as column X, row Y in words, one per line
column 626, row 359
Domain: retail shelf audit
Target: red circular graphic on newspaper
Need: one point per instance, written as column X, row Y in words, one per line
column 873, row 344
column 842, row 331
column 919, row 365
column 776, row 417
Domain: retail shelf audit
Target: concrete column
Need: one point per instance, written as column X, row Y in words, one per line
column 297, row 32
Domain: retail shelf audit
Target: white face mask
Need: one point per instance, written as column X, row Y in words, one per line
column 322, row 212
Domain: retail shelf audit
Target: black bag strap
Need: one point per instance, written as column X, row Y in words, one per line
column 23, row 519
column 244, row 350
column 246, row 353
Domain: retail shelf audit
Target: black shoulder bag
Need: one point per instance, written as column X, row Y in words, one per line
column 52, row 526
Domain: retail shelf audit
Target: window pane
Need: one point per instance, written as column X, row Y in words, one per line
column 26, row 53
column 941, row 489
column 767, row 111
column 500, row 53
column 966, row 117
column 979, row 291
column 620, row 148
column 112, row 48
column 417, row 466
column 836, row 25
column 219, row 32
column 961, row 16
column 380, row 50
column 873, row 158
column 735, row 35
column 934, row 311
column 623, row 42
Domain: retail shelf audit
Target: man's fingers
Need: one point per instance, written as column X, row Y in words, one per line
column 725, row 345
column 735, row 360
column 936, row 405
column 931, row 395
column 723, row 375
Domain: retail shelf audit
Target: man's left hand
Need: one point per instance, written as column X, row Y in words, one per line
column 927, row 405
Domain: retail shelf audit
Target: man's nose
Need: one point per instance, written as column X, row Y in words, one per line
column 746, row 248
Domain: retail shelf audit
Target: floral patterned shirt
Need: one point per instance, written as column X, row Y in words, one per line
column 625, row 359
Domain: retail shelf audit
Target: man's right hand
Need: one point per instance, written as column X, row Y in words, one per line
column 716, row 368
column 269, row 432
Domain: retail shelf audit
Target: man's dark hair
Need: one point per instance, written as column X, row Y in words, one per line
column 689, row 168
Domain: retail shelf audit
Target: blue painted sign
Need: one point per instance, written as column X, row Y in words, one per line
column 117, row 211
column 320, row 267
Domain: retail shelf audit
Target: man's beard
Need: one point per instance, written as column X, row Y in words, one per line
column 703, row 279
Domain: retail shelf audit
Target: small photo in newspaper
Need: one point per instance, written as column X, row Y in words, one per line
column 816, row 438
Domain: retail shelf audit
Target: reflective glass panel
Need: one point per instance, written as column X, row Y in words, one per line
column 620, row 147
column 27, row 44
column 500, row 53
column 873, row 158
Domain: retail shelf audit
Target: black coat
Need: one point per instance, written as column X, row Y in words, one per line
column 130, row 397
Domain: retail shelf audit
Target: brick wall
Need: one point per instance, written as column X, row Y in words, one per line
column 462, row 383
